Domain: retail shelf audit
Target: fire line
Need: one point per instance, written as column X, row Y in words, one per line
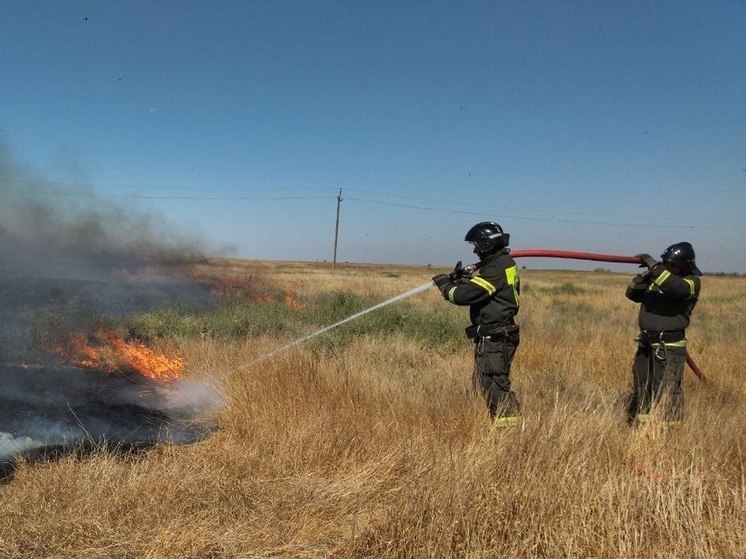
column 109, row 352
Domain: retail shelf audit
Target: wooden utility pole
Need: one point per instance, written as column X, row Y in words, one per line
column 336, row 231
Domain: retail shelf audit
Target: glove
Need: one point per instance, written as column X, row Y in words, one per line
column 442, row 282
column 649, row 275
column 647, row 261
column 656, row 270
column 458, row 271
column 461, row 271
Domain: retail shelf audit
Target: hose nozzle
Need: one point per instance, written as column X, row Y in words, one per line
column 461, row 271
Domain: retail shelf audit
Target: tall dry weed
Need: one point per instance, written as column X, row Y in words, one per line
column 378, row 447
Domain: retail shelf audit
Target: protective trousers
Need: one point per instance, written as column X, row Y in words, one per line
column 657, row 373
column 492, row 359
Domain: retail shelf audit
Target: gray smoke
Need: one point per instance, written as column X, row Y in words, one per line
column 62, row 229
column 69, row 260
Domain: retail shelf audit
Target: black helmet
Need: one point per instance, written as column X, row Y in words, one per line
column 487, row 236
column 681, row 253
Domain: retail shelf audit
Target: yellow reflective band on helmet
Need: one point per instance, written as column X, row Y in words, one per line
column 664, row 275
column 484, row 284
column 691, row 287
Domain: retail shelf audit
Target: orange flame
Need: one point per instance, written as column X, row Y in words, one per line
column 291, row 300
column 288, row 295
column 223, row 287
column 227, row 287
column 148, row 363
column 111, row 352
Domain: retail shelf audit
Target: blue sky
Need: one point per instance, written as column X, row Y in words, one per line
column 612, row 127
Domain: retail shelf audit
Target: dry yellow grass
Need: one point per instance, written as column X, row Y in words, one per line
column 381, row 450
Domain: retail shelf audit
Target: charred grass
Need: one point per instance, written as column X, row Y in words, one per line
column 368, row 442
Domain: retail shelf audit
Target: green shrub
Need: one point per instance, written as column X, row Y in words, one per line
column 232, row 319
column 328, row 308
column 236, row 318
column 438, row 332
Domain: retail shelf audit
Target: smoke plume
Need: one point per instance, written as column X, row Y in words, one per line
column 67, row 259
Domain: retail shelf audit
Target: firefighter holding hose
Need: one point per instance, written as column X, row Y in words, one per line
column 491, row 291
column 667, row 293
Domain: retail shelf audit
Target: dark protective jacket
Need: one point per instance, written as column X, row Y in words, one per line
column 667, row 300
column 492, row 292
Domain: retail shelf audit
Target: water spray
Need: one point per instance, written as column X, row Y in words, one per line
column 299, row 341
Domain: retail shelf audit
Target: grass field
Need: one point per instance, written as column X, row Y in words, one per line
column 367, row 441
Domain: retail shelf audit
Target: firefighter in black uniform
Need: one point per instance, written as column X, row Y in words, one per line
column 667, row 293
column 491, row 292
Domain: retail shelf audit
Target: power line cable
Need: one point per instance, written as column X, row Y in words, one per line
column 94, row 195
column 100, row 186
column 549, row 219
column 452, row 203
column 499, row 213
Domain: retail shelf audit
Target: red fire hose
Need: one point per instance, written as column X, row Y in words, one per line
column 599, row 258
column 575, row 255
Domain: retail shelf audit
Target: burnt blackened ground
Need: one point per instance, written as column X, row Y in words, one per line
column 49, row 407
column 46, row 412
